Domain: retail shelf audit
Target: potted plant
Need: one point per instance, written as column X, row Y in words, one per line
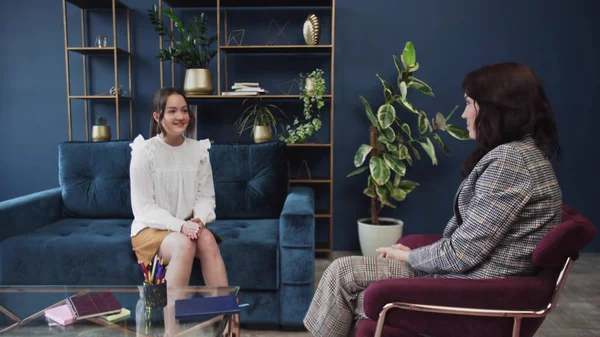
column 100, row 131
column 312, row 89
column 193, row 50
column 260, row 118
column 388, row 151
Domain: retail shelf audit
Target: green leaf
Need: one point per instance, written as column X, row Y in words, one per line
column 422, row 87
column 397, row 63
column 386, row 114
column 357, row 171
column 397, row 180
column 423, row 122
column 430, row 150
column 451, row 113
column 361, row 154
column 402, row 86
column 440, row 121
column 438, row 140
column 389, row 134
column 407, row 105
column 406, row 128
column 415, row 151
column 458, row 132
column 370, row 193
column 395, row 164
column 408, row 185
column 404, row 155
column 370, row 114
column 393, row 149
column 388, row 91
column 409, row 54
column 382, row 193
column 398, row 194
column 379, row 170
column 414, row 68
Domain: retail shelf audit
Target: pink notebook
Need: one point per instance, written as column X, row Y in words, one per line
column 61, row 315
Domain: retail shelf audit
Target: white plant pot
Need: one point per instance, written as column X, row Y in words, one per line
column 372, row 237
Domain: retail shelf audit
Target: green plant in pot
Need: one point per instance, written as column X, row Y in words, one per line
column 393, row 146
column 260, row 118
column 312, row 89
column 193, row 50
column 100, row 131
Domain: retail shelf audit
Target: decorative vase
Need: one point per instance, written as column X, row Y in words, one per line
column 385, row 234
column 262, row 134
column 101, row 133
column 311, row 30
column 198, row 82
column 309, row 86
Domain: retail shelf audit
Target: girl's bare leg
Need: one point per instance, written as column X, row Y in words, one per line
column 213, row 267
column 177, row 250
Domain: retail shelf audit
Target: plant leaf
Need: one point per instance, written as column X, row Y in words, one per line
column 422, row 87
column 361, row 154
column 407, row 105
column 430, row 150
column 386, row 114
column 370, row 193
column 388, row 91
column 440, row 121
column 402, row 86
column 389, row 134
column 407, row 185
column 423, row 122
column 398, row 194
column 409, row 54
column 451, row 113
column 415, row 151
column 397, row 63
column 379, row 170
column 357, row 171
column 438, row 140
column 369, row 111
column 395, row 164
column 406, row 128
column 458, row 132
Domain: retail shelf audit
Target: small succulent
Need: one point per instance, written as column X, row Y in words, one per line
column 100, row 120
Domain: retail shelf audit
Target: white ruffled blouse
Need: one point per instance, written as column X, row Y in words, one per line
column 170, row 184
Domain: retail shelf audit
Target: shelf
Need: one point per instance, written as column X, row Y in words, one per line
column 249, row 96
column 97, row 51
column 96, row 4
column 311, row 181
column 247, row 3
column 322, row 247
column 322, row 215
column 100, row 97
column 309, row 145
column 278, row 49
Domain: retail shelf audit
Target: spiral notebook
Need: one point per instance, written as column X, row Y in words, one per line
column 92, row 305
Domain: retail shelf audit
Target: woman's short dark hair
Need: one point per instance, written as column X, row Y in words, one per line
column 512, row 104
column 158, row 105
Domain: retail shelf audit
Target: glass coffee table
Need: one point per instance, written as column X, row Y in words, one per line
column 22, row 313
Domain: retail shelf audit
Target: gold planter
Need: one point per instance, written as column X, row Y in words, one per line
column 198, row 82
column 101, row 133
column 262, row 134
column 309, row 86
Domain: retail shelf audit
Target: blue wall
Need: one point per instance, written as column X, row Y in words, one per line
column 451, row 38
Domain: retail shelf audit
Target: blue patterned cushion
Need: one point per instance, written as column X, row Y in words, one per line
column 251, row 180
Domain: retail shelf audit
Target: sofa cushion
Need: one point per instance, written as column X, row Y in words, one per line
column 251, row 180
column 71, row 252
column 95, row 179
column 250, row 251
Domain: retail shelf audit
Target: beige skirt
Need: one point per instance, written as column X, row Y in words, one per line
column 147, row 242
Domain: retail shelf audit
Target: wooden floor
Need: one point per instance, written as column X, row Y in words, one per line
column 577, row 313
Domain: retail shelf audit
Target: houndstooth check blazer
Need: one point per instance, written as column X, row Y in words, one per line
column 509, row 201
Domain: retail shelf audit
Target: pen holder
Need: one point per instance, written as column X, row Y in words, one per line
column 155, row 295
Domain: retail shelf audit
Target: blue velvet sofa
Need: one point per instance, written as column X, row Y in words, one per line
column 79, row 233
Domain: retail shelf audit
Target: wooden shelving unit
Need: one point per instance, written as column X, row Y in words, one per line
column 326, row 49
column 86, row 51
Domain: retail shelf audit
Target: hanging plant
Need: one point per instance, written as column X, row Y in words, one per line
column 312, row 89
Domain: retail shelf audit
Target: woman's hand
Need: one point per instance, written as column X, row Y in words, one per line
column 397, row 251
column 192, row 228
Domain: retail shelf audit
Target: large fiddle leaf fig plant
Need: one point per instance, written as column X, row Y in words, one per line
column 393, row 144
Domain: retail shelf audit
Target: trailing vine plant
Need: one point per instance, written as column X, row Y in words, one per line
column 312, row 97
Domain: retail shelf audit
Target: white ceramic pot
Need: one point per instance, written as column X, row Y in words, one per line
column 372, row 237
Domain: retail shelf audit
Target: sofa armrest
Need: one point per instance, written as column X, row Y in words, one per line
column 296, row 254
column 29, row 212
column 527, row 293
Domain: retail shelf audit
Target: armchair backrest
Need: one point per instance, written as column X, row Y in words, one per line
column 566, row 240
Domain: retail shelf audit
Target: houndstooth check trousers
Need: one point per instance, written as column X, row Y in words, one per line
column 338, row 301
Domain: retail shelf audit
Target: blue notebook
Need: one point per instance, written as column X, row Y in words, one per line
column 201, row 306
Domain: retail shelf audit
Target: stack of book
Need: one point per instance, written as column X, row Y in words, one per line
column 245, row 89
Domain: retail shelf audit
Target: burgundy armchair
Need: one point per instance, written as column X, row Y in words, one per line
column 486, row 307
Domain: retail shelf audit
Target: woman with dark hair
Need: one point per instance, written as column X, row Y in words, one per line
column 173, row 196
column 509, row 199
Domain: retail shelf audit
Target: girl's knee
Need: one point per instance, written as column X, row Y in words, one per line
column 206, row 243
